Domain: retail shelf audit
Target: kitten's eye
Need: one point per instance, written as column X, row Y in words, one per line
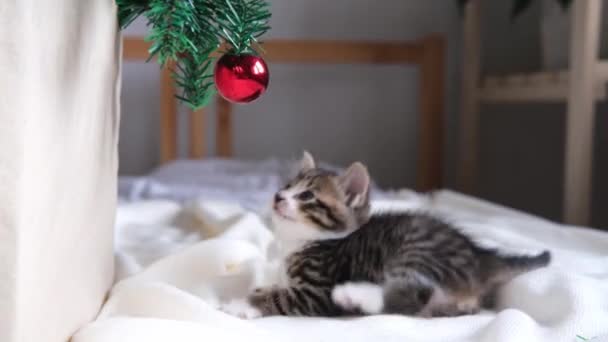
column 305, row 195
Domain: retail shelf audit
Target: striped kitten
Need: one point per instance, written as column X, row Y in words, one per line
column 339, row 260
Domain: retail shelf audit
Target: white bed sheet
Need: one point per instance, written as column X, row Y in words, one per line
column 170, row 282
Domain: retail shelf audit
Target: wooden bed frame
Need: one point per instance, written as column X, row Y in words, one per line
column 427, row 53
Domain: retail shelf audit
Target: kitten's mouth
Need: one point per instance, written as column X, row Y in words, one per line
column 281, row 214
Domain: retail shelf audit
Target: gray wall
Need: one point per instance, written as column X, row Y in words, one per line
column 370, row 113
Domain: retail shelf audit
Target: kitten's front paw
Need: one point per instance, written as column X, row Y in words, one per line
column 364, row 297
column 241, row 308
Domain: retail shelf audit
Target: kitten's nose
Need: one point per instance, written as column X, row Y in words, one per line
column 278, row 198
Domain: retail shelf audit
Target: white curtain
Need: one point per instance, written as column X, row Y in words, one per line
column 59, row 116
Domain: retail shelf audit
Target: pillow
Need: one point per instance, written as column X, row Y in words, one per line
column 250, row 183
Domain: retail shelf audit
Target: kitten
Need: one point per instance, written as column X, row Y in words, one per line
column 339, row 260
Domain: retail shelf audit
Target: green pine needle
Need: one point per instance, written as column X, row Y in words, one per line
column 129, row 10
column 189, row 31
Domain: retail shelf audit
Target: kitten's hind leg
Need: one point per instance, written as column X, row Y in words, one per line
column 405, row 297
column 470, row 307
column 427, row 300
column 396, row 296
column 359, row 297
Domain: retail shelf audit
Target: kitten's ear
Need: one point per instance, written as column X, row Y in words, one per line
column 355, row 183
column 307, row 162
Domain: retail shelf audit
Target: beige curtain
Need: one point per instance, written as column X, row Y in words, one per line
column 59, row 89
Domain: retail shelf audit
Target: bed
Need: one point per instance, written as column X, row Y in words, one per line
column 178, row 260
column 195, row 233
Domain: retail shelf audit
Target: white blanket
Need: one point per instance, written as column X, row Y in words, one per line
column 170, row 282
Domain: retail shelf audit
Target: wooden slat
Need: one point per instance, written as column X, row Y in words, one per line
column 602, row 71
column 469, row 115
column 554, row 92
column 198, row 147
column 430, row 143
column 336, row 52
column 580, row 117
column 224, row 128
column 552, row 86
column 168, row 117
column 538, row 78
column 314, row 51
column 135, row 48
column 516, row 80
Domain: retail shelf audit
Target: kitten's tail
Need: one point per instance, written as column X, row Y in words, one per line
column 498, row 269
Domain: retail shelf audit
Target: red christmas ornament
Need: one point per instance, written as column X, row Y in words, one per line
column 241, row 78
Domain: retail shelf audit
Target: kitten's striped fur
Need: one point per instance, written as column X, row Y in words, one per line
column 347, row 262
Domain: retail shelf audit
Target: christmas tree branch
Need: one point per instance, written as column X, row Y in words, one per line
column 189, row 31
column 129, row 10
column 195, row 76
column 242, row 22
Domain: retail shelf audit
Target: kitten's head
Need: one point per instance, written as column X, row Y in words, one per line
column 319, row 204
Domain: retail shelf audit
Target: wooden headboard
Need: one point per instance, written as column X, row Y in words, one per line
column 427, row 53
